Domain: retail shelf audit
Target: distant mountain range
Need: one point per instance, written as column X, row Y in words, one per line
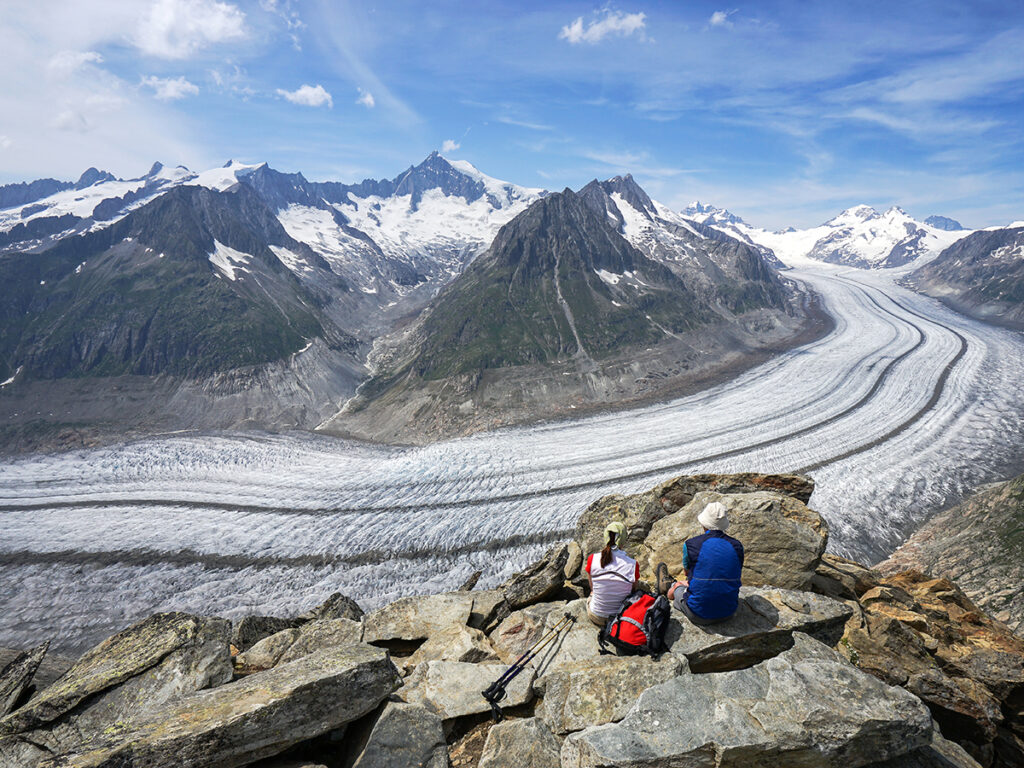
column 205, row 293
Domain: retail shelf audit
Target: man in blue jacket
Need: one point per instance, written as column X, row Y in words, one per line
column 713, row 563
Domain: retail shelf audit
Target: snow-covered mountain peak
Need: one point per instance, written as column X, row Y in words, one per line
column 854, row 215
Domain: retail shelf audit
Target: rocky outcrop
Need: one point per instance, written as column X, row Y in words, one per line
column 783, row 539
column 456, row 643
column 807, row 706
column 291, row 644
column 978, row 544
column 640, row 511
column 925, row 635
column 252, row 629
column 540, row 581
column 257, row 717
column 129, row 673
column 16, row 676
column 417, row 618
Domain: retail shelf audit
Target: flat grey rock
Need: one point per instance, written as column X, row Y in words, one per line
column 761, row 628
column 251, row 629
column 522, row 629
column 324, row 633
column 455, row 689
column 405, row 736
column 540, row 581
column 525, row 743
column 417, row 617
column 456, row 643
column 591, row 692
column 807, row 707
column 259, row 716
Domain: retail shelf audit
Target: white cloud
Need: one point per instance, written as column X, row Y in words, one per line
column 609, row 23
column 308, row 96
column 5, row 142
column 176, row 29
column 170, row 88
column 366, row 99
column 66, row 62
column 450, row 145
column 721, row 18
column 72, row 121
column 524, row 124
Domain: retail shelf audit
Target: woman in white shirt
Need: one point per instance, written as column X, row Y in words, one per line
column 612, row 574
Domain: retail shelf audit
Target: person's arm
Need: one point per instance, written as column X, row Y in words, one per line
column 688, row 574
column 590, row 581
column 636, row 577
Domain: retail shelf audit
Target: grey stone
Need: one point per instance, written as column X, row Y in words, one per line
column 807, row 707
column 337, row 606
column 575, row 561
column 251, row 629
column 267, row 652
column 590, row 692
column 540, row 581
column 516, row 634
column 456, row 643
column 259, row 716
column 489, row 609
column 761, row 628
column 418, row 617
column 940, row 753
column 525, row 743
column 454, row 688
column 405, row 736
column 129, row 654
column 469, row 583
column 323, row 633
column 51, row 668
column 16, row 676
column 783, row 539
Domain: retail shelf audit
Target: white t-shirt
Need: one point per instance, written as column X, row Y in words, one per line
column 613, row 583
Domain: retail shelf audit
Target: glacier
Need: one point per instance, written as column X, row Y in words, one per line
column 903, row 408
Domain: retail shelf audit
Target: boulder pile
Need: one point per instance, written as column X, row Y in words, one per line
column 826, row 663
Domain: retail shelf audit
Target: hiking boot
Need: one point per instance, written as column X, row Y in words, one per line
column 663, row 581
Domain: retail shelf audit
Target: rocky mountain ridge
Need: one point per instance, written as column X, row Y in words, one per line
column 838, row 667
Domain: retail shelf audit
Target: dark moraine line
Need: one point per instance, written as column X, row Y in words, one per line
column 236, row 562
column 937, row 390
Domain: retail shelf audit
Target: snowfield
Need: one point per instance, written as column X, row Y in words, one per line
column 902, row 409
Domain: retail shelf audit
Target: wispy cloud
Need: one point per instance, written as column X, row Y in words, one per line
column 308, row 96
column 640, row 163
column 177, row 29
column 607, row 23
column 366, row 99
column 170, row 89
column 450, row 145
column 721, row 18
column 524, row 123
column 66, row 62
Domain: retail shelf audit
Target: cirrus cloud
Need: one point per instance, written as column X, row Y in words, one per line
column 609, row 23
column 308, row 96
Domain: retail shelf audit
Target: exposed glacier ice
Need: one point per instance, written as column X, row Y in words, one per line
column 903, row 408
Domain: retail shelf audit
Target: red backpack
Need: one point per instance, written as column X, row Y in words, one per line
column 639, row 627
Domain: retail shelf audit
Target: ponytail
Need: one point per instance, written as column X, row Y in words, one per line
column 606, row 553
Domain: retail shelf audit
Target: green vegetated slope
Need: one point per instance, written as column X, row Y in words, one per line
column 143, row 297
column 506, row 309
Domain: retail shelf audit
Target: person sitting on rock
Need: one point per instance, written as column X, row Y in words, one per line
column 713, row 563
column 612, row 575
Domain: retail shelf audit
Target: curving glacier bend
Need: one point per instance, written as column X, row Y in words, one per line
column 903, row 408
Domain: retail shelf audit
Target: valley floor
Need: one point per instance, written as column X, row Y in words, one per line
column 902, row 408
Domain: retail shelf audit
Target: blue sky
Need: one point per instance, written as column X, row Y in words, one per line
column 784, row 112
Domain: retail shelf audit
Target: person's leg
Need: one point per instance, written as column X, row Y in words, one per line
column 662, row 579
column 594, row 618
column 700, row 621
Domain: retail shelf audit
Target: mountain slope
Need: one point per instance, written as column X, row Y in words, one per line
column 981, row 275
column 563, row 312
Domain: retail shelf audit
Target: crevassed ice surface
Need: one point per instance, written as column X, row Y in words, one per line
column 903, row 408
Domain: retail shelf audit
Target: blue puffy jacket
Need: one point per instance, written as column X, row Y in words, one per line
column 717, row 563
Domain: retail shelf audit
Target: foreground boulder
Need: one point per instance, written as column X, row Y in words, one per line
column 641, row 510
column 541, row 581
column 251, row 629
column 405, row 736
column 456, row 643
column 762, row 627
column 16, row 676
column 522, row 629
column 417, row 617
column 135, row 670
column 783, row 539
column 259, row 716
column 520, row 744
column 806, row 707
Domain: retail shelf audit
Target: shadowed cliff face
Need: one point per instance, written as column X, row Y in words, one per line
column 981, row 275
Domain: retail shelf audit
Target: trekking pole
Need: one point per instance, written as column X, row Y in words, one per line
column 495, row 692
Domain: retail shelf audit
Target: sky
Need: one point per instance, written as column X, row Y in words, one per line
column 783, row 112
